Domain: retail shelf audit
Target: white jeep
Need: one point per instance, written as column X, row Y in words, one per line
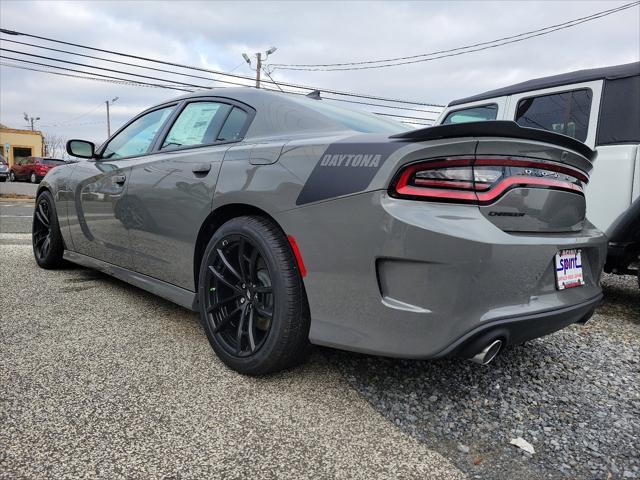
column 600, row 107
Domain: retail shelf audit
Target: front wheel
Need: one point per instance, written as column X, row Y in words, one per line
column 252, row 300
column 33, row 178
column 48, row 245
column 12, row 176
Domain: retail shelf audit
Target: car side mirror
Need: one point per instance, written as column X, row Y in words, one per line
column 81, row 149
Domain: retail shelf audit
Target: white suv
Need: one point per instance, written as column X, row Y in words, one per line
column 600, row 107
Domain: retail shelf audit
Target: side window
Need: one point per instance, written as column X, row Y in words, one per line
column 232, row 128
column 473, row 114
column 197, row 124
column 566, row 113
column 138, row 136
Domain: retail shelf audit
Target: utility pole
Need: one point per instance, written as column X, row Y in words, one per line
column 30, row 120
column 259, row 59
column 258, row 68
column 108, row 116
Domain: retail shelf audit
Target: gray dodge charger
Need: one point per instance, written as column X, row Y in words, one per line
column 286, row 221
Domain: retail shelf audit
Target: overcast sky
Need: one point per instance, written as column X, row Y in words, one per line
column 214, row 35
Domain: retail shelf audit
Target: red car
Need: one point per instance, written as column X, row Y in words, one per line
column 32, row 168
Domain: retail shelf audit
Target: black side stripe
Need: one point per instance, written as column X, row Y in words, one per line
column 345, row 168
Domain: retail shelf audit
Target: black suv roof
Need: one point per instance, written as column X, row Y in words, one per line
column 608, row 73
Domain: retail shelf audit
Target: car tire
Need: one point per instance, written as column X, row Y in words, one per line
column 3, row 179
column 47, row 242
column 33, row 178
column 12, row 176
column 248, row 272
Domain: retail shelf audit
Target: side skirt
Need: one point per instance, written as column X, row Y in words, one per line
column 184, row 298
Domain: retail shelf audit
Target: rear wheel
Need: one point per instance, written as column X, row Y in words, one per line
column 252, row 301
column 12, row 176
column 33, row 178
column 48, row 245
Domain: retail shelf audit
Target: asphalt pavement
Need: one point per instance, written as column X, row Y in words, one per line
column 15, row 215
column 24, row 189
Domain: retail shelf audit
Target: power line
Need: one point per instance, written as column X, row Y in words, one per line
column 196, row 76
column 124, row 81
column 114, row 61
column 392, row 62
column 44, row 57
column 217, row 72
column 153, row 78
column 402, row 116
column 120, row 79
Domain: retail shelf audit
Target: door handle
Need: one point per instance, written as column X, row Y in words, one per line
column 119, row 179
column 201, row 168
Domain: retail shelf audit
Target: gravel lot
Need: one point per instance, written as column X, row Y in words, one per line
column 574, row 395
column 102, row 380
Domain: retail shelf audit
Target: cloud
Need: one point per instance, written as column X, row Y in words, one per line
column 215, row 34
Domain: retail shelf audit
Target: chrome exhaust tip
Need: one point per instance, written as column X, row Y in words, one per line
column 487, row 354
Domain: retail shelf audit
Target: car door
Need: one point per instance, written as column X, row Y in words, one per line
column 17, row 165
column 98, row 223
column 171, row 191
column 25, row 167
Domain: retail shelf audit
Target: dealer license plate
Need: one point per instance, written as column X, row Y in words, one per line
column 569, row 269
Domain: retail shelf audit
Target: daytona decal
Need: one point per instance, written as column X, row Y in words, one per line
column 345, row 168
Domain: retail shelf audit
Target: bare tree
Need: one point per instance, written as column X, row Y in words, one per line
column 54, row 146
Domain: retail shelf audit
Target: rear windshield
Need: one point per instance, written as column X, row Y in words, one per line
column 359, row 121
column 473, row 114
column 48, row 161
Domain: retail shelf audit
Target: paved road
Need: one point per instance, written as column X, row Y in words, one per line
column 18, row 188
column 102, row 380
column 15, row 215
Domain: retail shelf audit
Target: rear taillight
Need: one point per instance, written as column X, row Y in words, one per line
column 481, row 180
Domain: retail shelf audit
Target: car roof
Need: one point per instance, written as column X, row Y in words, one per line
column 277, row 114
column 606, row 73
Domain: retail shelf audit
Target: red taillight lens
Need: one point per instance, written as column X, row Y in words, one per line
column 481, row 180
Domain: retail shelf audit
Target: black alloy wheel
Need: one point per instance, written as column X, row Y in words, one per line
column 251, row 298
column 48, row 245
column 240, row 296
column 42, row 230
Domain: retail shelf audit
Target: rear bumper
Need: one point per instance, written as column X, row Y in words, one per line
column 516, row 330
column 421, row 280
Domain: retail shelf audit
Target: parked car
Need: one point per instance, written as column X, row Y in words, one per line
column 285, row 220
column 32, row 169
column 4, row 169
column 600, row 107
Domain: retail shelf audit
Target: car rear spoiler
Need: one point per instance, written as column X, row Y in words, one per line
column 495, row 128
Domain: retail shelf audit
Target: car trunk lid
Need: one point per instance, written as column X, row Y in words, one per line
column 521, row 179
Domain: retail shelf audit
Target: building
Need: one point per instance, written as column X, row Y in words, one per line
column 16, row 143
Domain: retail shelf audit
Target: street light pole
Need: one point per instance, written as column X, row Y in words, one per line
column 259, row 59
column 108, row 116
column 30, row 120
column 258, row 68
